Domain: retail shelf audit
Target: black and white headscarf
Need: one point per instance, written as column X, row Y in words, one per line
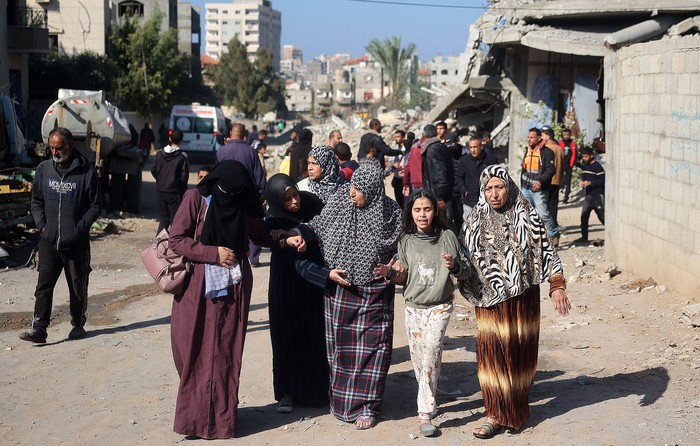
column 331, row 177
column 508, row 247
column 356, row 239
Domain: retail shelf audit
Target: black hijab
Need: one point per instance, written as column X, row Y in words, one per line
column 233, row 195
column 310, row 205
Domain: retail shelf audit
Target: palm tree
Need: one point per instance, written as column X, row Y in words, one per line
column 393, row 60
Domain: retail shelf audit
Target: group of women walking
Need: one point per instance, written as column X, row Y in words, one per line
column 338, row 251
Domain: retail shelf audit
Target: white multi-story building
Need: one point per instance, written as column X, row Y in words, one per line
column 444, row 71
column 254, row 21
column 77, row 26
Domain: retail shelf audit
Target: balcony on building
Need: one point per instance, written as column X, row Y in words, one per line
column 27, row 30
column 324, row 94
column 344, row 93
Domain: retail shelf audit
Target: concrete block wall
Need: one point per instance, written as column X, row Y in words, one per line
column 652, row 190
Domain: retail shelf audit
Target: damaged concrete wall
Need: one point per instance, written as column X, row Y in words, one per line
column 652, row 96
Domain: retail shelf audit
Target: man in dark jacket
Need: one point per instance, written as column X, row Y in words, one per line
column 593, row 182
column 237, row 149
column 438, row 169
column 535, row 178
column 468, row 172
column 171, row 169
column 374, row 139
column 65, row 203
column 457, row 151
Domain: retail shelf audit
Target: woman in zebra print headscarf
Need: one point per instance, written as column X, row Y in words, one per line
column 511, row 255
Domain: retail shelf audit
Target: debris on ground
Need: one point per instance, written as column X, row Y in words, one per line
column 691, row 315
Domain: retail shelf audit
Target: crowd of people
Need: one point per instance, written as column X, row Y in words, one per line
column 339, row 247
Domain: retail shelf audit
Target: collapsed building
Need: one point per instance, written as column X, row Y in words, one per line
column 626, row 77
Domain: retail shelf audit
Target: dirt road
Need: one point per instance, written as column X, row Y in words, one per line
column 622, row 369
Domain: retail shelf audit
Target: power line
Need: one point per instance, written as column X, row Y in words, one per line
column 528, row 7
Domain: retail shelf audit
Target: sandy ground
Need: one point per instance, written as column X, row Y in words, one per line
column 622, row 369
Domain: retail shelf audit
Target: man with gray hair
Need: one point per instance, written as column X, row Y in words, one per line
column 66, row 201
column 438, row 169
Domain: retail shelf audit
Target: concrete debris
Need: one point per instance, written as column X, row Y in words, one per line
column 660, row 289
column 691, row 315
column 638, row 285
column 578, row 345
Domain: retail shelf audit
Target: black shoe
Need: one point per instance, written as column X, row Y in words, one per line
column 37, row 335
column 580, row 241
column 76, row 333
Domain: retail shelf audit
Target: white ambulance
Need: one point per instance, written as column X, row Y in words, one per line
column 200, row 125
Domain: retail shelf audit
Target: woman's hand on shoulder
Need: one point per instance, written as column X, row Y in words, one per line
column 561, row 302
column 226, row 257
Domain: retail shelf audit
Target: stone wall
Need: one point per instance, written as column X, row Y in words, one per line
column 652, row 93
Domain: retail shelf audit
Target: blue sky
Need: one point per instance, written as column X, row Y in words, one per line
column 346, row 26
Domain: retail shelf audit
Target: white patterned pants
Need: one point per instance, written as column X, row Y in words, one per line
column 426, row 328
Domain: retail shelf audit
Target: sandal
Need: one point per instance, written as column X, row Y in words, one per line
column 490, row 429
column 364, row 422
column 427, row 429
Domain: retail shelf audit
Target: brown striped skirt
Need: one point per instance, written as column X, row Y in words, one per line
column 506, row 355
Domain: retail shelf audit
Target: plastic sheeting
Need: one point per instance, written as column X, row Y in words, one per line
column 584, row 99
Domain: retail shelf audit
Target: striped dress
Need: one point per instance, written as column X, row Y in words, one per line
column 506, row 355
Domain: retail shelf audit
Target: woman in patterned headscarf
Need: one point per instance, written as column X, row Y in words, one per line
column 358, row 228
column 511, row 255
column 324, row 172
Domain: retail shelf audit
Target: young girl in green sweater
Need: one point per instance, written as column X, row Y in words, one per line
column 429, row 253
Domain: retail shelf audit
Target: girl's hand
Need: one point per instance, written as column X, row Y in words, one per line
column 226, row 257
column 383, row 269
column 449, row 260
column 297, row 242
column 561, row 302
column 336, row 275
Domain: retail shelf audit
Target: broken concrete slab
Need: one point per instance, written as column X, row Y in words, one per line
column 691, row 315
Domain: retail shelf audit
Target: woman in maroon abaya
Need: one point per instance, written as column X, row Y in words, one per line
column 208, row 323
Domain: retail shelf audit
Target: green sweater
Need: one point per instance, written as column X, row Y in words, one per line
column 429, row 282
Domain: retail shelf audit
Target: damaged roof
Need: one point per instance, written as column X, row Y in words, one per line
column 584, row 28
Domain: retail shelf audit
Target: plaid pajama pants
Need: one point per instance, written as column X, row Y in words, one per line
column 359, row 332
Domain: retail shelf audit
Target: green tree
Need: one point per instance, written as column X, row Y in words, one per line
column 395, row 62
column 149, row 63
column 85, row 71
column 251, row 87
column 269, row 95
